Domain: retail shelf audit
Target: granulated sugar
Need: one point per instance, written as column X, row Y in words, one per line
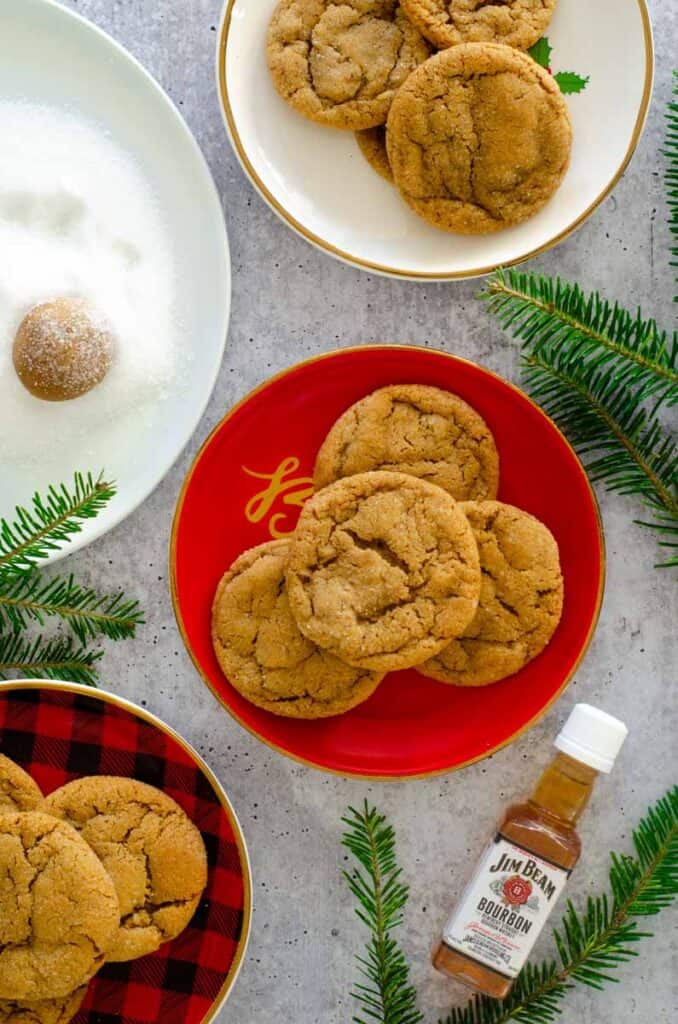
column 78, row 219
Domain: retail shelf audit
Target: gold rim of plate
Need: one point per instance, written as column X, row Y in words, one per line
column 373, row 776
column 218, row 789
column 356, row 261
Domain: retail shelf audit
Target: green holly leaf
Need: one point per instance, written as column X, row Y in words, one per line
column 541, row 52
column 570, row 82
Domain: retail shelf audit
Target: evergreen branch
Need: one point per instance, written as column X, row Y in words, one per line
column 542, row 312
column 596, row 943
column 58, row 658
column 671, row 153
column 648, row 463
column 603, row 375
column 387, row 996
column 27, row 598
column 51, row 521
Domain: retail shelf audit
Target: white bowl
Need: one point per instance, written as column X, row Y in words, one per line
column 50, row 55
column 316, row 179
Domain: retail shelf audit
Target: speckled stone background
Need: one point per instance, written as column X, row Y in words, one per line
column 289, row 301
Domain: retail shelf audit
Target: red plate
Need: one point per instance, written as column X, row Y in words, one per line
column 60, row 731
column 247, row 484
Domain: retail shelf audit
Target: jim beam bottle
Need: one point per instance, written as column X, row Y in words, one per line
column 519, row 878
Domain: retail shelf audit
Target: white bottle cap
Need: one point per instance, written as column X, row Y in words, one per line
column 592, row 736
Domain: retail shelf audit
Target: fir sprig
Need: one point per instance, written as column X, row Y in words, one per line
column 57, row 658
column 386, row 995
column 594, row 944
column 671, row 152
column 29, row 598
column 603, row 374
column 38, row 531
column 546, row 314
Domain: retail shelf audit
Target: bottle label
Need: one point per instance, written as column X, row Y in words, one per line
column 504, row 907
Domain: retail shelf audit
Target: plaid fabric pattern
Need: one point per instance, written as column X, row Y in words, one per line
column 58, row 736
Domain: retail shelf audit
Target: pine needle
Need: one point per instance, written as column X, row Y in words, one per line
column 52, row 520
column 57, row 658
column 671, row 153
column 26, row 599
column 593, row 944
column 386, row 995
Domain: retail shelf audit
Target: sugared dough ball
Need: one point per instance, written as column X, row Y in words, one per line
column 62, row 349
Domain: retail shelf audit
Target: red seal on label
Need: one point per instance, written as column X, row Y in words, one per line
column 517, row 890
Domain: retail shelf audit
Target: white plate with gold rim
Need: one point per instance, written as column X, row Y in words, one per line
column 318, row 182
column 51, row 56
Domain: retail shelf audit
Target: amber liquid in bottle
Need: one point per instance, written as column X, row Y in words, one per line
column 545, row 826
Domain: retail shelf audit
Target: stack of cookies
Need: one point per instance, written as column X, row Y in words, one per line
column 402, row 558
column 102, row 870
column 476, row 137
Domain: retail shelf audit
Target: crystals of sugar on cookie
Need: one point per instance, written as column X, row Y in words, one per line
column 62, row 349
column 479, row 138
column 446, row 23
column 418, row 430
column 264, row 654
column 521, row 598
column 340, row 64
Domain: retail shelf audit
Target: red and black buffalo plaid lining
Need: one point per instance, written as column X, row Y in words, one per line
column 57, row 736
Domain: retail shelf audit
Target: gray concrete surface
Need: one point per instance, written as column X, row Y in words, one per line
column 300, row 962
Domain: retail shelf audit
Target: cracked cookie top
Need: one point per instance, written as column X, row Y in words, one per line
column 418, row 430
column 521, row 598
column 340, row 63
column 479, row 138
column 264, row 655
column 518, row 23
column 58, row 908
column 383, row 570
column 152, row 851
column 18, row 791
column 43, row 1011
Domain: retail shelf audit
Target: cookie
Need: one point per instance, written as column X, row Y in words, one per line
column 372, row 145
column 521, row 598
column 45, row 1011
column 264, row 655
column 58, row 908
column 518, row 23
column 340, row 63
column 479, row 138
column 152, row 851
column 383, row 570
column 18, row 791
column 418, row 430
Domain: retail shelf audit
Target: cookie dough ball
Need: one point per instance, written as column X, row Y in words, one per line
column 18, row 791
column 479, row 138
column 58, row 909
column 521, row 598
column 415, row 429
column 383, row 570
column 264, row 655
column 518, row 23
column 340, row 62
column 150, row 848
column 62, row 349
